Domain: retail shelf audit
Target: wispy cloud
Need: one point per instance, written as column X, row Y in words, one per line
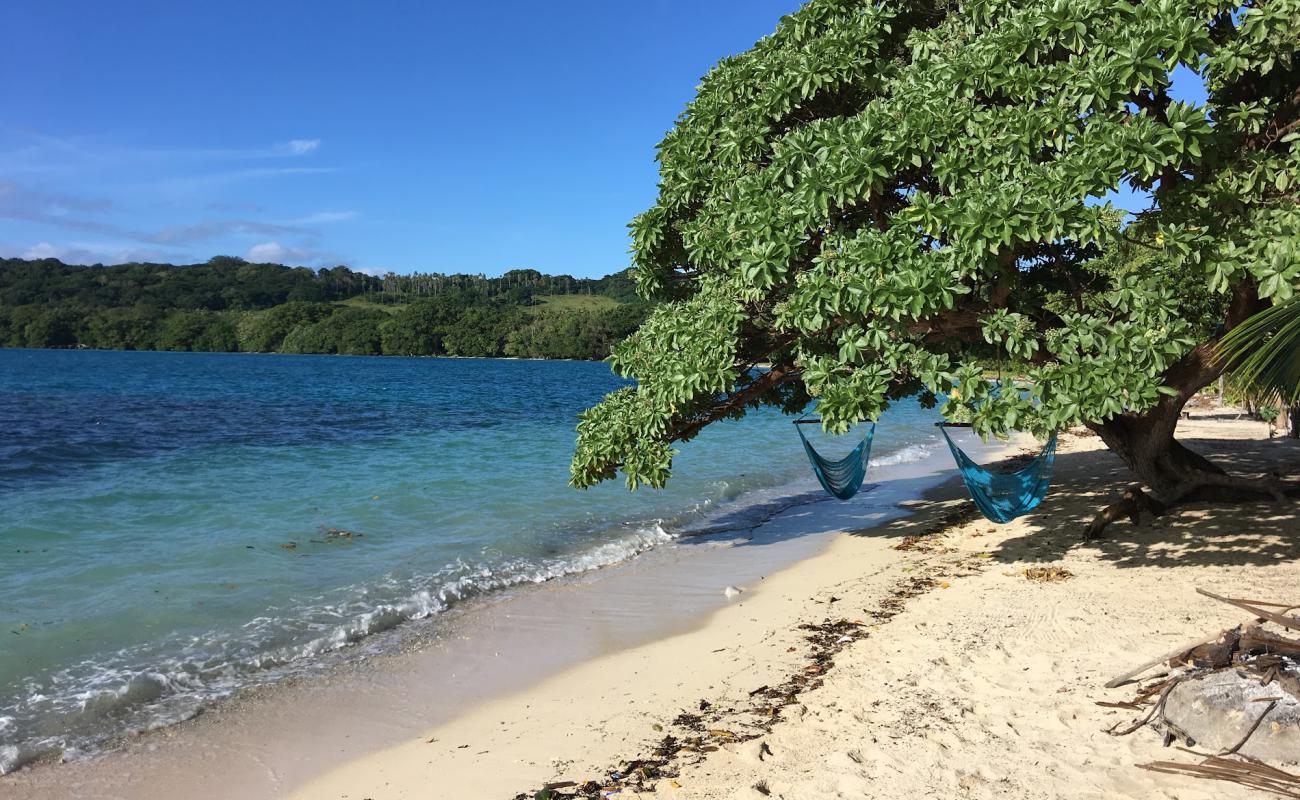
column 91, row 252
column 301, row 147
column 23, row 203
column 324, row 218
column 27, row 152
column 190, row 184
column 188, row 195
column 209, row 229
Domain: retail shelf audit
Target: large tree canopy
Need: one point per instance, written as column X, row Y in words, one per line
column 890, row 198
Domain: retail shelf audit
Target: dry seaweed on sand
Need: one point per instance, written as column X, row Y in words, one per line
column 1048, row 574
column 709, row 726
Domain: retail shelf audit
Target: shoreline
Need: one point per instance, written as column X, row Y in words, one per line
column 948, row 674
column 472, row 654
column 963, row 676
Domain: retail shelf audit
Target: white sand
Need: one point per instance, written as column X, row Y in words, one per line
column 983, row 686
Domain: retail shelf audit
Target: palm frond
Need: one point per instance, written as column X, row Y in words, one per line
column 1263, row 353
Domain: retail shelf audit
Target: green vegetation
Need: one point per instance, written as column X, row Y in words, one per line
column 1264, row 353
column 884, row 199
column 230, row 305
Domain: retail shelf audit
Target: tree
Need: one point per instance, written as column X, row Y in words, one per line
column 418, row 329
column 198, row 331
column 881, row 198
column 265, row 331
column 53, row 327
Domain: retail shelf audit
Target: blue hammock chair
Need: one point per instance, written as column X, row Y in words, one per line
column 1003, row 496
column 841, row 478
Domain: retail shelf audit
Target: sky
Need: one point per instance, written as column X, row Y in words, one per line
column 403, row 136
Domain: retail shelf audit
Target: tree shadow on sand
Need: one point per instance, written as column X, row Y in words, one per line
column 1257, row 533
column 1222, row 534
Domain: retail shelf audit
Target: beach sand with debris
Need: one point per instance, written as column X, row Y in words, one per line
column 938, row 655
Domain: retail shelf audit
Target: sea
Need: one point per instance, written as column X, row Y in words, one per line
column 178, row 527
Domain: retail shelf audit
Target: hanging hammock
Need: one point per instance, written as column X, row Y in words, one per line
column 1003, row 496
column 843, row 477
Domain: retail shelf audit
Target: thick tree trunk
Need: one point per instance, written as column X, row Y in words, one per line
column 1170, row 471
column 1294, row 433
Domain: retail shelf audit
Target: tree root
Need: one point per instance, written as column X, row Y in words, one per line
column 1209, row 487
column 1238, row 485
column 1133, row 502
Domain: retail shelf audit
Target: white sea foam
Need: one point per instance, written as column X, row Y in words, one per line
column 9, row 758
column 908, row 455
column 179, row 680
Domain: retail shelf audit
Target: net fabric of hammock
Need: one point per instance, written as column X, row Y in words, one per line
column 842, row 477
column 1003, row 496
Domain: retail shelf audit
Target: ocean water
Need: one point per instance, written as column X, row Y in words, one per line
column 175, row 527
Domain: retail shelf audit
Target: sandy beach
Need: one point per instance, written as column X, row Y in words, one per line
column 961, row 677
column 891, row 648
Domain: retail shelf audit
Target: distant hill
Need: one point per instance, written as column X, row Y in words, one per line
column 228, row 304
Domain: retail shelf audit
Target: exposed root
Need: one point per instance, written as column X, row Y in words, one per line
column 1212, row 487
column 1253, row 488
column 1131, row 504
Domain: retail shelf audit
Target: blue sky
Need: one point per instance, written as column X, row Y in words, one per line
column 411, row 136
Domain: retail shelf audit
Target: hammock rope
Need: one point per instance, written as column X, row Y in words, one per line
column 842, row 477
column 1003, row 496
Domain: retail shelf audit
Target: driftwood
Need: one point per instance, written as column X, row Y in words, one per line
column 1211, row 655
column 1258, row 641
column 1240, row 770
column 1290, row 623
column 1177, row 653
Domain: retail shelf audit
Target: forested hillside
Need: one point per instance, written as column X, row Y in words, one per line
column 228, row 304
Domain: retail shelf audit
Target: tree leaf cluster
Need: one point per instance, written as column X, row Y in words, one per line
column 894, row 198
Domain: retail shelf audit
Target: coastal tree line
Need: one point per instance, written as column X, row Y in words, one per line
column 229, row 305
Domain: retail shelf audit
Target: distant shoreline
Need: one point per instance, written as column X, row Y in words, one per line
column 297, row 355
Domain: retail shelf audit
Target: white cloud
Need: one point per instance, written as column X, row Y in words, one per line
column 273, row 252
column 44, row 250
column 301, row 147
column 91, row 252
column 267, row 252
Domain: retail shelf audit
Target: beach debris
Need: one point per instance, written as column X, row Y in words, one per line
column 761, row 788
column 697, row 733
column 1239, row 770
column 732, row 591
column 1048, row 574
column 1217, row 693
column 289, row 546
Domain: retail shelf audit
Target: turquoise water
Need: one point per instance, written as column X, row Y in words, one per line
column 178, row 526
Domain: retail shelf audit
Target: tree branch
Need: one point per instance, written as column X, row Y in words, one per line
column 774, row 377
